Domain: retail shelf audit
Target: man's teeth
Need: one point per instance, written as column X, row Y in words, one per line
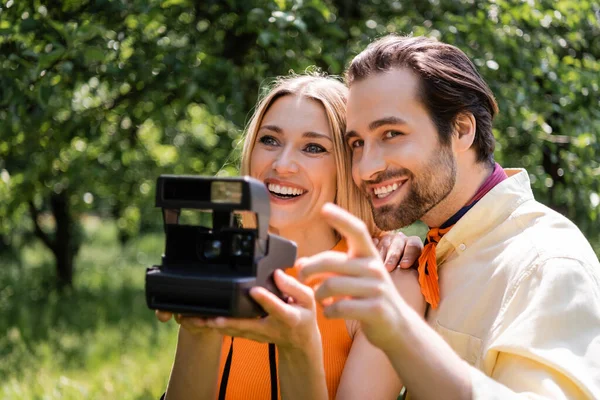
column 279, row 189
column 385, row 191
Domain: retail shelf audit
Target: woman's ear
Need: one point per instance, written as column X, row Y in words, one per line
column 465, row 126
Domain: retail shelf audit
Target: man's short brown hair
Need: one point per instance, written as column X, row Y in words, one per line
column 449, row 83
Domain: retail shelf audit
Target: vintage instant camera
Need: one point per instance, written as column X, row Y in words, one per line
column 208, row 270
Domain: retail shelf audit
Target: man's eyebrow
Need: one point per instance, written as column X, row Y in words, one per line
column 386, row 121
column 316, row 135
column 376, row 124
column 349, row 135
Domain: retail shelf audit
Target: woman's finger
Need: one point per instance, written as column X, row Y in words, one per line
column 272, row 304
column 384, row 245
column 412, row 251
column 302, row 294
column 192, row 324
column 249, row 328
column 394, row 250
column 253, row 335
column 163, row 316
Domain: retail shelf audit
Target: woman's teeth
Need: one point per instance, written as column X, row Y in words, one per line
column 284, row 190
column 385, row 191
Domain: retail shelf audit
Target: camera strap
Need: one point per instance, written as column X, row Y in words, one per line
column 272, row 371
column 225, row 377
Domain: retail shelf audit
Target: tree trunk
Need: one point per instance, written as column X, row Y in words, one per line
column 64, row 243
column 7, row 251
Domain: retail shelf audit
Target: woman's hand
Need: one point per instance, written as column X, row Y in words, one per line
column 193, row 329
column 398, row 250
column 289, row 325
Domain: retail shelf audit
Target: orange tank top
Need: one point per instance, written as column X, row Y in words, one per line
column 249, row 376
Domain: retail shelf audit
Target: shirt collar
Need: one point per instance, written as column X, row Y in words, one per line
column 494, row 208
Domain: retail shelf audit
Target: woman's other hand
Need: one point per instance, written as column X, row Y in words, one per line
column 398, row 250
column 163, row 316
column 189, row 324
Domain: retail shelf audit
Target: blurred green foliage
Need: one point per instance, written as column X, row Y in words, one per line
column 95, row 341
column 99, row 97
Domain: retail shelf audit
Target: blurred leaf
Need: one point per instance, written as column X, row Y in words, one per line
column 100, row 97
column 93, row 55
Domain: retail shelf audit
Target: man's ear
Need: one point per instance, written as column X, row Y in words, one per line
column 465, row 126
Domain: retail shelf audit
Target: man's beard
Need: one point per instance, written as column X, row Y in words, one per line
column 427, row 190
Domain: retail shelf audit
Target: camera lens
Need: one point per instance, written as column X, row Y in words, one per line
column 241, row 245
column 212, row 249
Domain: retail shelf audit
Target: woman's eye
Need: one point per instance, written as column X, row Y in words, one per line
column 391, row 134
column 268, row 140
column 314, row 148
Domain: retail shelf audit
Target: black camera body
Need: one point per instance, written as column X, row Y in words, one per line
column 208, row 271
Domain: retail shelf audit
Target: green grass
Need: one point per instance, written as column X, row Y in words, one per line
column 97, row 341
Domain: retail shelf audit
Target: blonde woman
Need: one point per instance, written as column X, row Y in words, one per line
column 294, row 144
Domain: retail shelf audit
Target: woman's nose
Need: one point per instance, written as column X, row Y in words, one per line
column 285, row 163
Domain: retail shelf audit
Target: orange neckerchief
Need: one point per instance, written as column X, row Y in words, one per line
column 428, row 276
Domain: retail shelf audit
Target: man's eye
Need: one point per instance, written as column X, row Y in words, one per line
column 357, row 143
column 268, row 140
column 391, row 134
column 314, row 148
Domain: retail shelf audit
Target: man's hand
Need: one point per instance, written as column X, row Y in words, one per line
column 357, row 286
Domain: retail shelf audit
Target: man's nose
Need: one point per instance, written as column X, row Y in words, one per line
column 371, row 163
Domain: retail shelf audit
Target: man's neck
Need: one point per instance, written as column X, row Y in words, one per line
column 468, row 180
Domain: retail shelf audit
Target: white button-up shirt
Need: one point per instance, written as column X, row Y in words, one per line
column 520, row 298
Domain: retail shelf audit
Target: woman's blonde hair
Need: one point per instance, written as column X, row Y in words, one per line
column 332, row 95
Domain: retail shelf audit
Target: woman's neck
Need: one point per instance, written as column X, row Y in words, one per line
column 310, row 241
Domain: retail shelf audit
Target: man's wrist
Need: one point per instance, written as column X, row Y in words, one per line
column 401, row 330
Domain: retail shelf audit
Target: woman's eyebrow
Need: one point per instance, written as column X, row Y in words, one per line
column 273, row 128
column 316, row 135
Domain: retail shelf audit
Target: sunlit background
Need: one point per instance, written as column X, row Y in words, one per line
column 97, row 98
